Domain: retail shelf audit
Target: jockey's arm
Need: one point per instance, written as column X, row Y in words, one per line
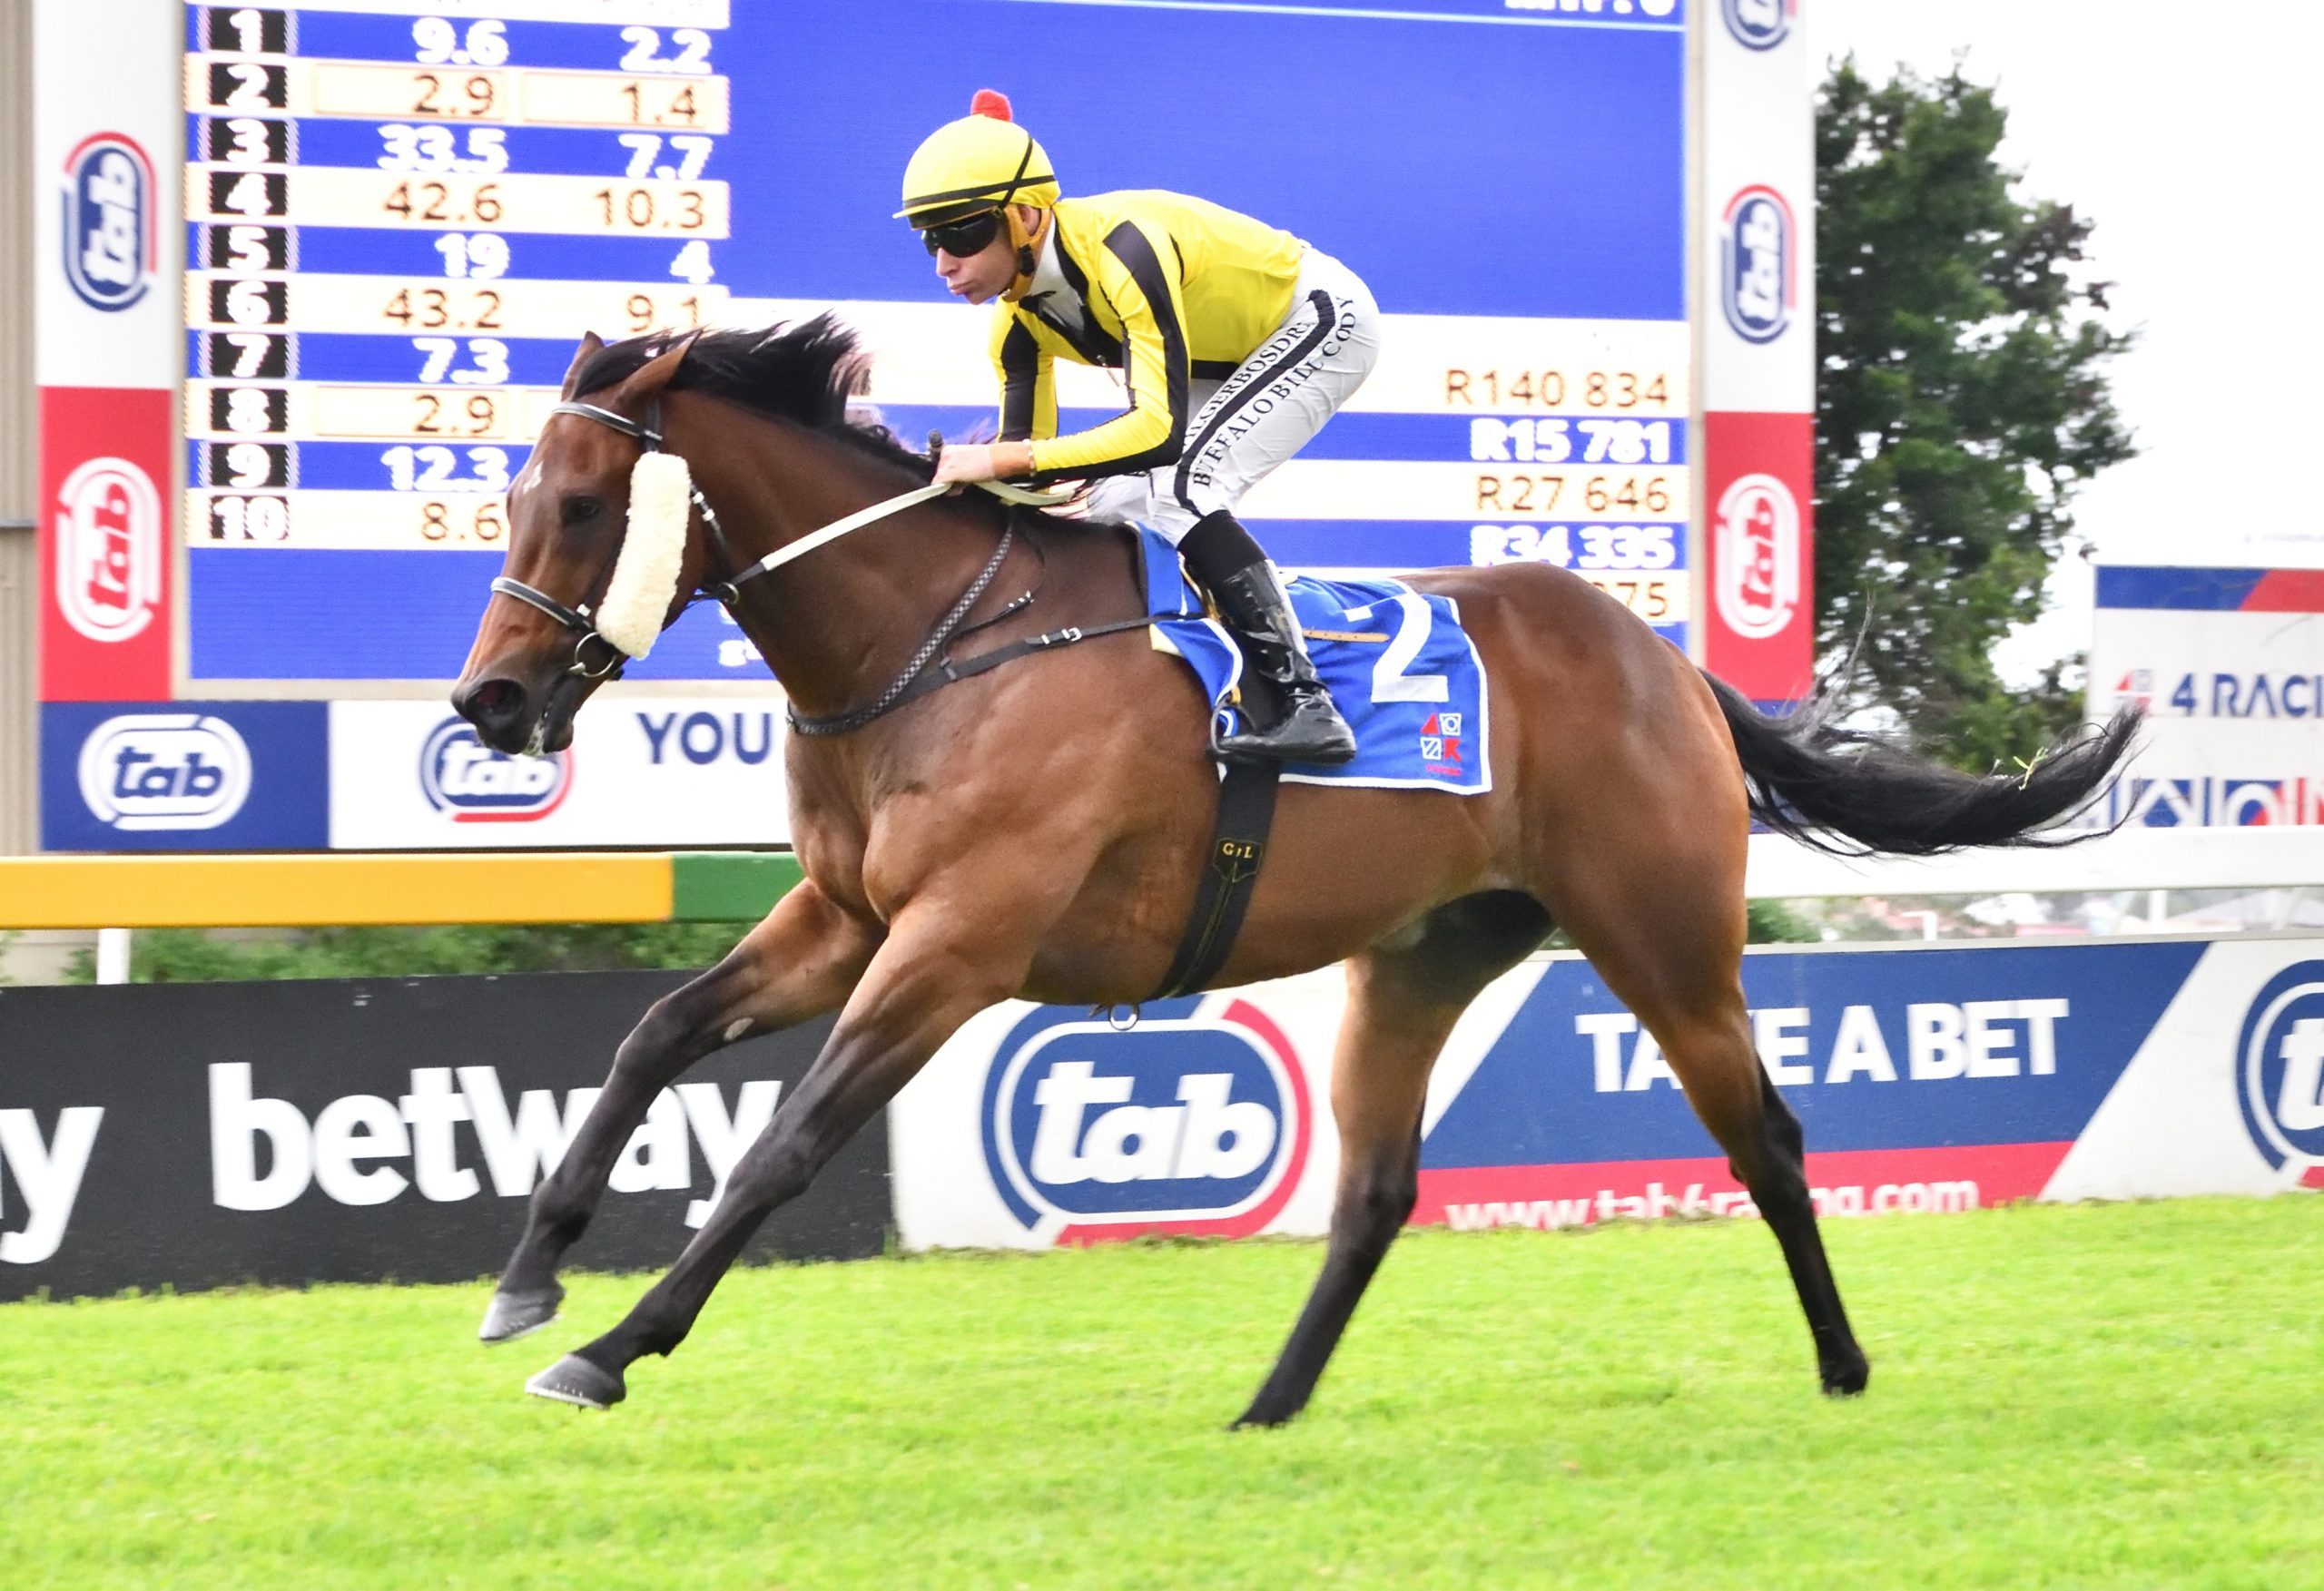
column 1137, row 274
column 1027, row 382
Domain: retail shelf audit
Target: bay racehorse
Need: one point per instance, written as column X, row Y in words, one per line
column 1037, row 829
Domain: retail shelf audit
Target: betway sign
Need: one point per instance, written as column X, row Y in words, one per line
column 194, row 1135
column 367, row 1149
column 47, row 1173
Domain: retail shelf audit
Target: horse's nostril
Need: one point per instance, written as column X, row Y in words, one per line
column 491, row 703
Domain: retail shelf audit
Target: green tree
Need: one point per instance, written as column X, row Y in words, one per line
column 1960, row 402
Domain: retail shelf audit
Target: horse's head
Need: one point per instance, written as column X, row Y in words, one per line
column 583, row 506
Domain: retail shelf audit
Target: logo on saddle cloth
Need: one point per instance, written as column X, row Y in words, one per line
column 2280, row 1071
column 470, row 782
column 1194, row 1125
column 1440, row 743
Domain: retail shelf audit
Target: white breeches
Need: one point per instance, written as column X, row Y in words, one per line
column 1266, row 411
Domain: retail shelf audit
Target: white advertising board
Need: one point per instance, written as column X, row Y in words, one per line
column 2228, row 665
column 107, row 134
column 1755, row 261
column 643, row 771
column 1032, row 1127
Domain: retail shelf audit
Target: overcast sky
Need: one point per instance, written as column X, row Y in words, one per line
column 2179, row 129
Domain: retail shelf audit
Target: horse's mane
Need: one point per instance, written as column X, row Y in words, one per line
column 803, row 373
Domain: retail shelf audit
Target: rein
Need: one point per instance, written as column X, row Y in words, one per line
column 879, row 511
column 916, row 679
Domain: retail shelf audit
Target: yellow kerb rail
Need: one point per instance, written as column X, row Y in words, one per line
column 355, row 890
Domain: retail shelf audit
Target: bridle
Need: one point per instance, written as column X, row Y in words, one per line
column 580, row 619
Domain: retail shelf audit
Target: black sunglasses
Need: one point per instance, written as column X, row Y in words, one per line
column 962, row 239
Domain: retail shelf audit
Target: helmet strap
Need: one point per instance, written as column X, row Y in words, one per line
column 1028, row 245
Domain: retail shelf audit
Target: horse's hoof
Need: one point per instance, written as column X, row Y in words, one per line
column 575, row 1381
column 1262, row 1415
column 1846, row 1380
column 511, row 1315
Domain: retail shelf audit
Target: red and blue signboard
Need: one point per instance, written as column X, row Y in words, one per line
column 1907, row 1069
column 2211, row 591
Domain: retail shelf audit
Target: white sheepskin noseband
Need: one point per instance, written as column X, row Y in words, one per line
column 652, row 546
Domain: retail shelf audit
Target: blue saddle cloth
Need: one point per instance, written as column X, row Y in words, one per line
column 1403, row 672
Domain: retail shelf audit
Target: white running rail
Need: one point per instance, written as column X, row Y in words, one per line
column 2130, row 858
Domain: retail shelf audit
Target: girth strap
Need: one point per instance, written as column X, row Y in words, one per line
column 1238, row 845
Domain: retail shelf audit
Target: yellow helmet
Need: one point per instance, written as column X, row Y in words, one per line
column 982, row 162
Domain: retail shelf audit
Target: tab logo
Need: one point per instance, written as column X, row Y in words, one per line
column 2280, row 1070
column 1199, row 1125
column 157, row 770
column 1756, row 286
column 472, row 783
column 110, row 243
column 108, row 549
column 1758, row 24
column 1757, row 529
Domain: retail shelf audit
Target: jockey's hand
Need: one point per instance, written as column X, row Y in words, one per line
column 963, row 463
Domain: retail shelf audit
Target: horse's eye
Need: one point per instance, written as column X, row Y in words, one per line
column 579, row 510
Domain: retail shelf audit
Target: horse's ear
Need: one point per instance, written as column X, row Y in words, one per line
column 650, row 378
column 591, row 345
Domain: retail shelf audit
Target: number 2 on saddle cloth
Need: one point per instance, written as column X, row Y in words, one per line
column 1403, row 672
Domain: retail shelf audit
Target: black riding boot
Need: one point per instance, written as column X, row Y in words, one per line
column 1250, row 597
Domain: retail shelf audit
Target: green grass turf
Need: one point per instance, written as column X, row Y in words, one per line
column 2123, row 1396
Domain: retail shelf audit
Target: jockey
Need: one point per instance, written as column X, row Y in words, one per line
column 1237, row 342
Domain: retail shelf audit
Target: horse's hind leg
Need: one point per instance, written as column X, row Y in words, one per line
column 1717, row 1065
column 1671, row 950
column 1403, row 998
column 798, row 963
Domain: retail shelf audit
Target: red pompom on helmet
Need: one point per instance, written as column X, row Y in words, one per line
column 990, row 102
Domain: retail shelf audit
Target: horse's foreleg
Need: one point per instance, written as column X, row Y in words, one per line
column 798, row 963
column 926, row 979
column 1403, row 1000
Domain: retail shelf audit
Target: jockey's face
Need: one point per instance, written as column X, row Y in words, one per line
column 984, row 276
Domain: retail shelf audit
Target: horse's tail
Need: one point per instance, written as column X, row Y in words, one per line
column 1852, row 793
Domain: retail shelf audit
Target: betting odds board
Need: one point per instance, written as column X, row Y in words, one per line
column 320, row 269
column 399, row 225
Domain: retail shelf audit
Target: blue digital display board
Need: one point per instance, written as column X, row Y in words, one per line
column 401, row 222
